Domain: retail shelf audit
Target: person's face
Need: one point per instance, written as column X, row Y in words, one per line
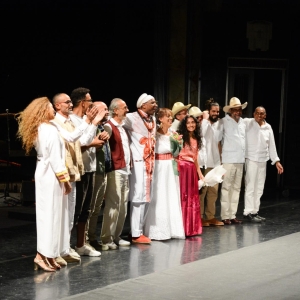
column 260, row 115
column 87, row 102
column 190, row 124
column 150, row 107
column 236, row 113
column 102, row 106
column 121, row 110
column 181, row 115
column 166, row 120
column 200, row 118
column 51, row 112
column 213, row 114
column 64, row 104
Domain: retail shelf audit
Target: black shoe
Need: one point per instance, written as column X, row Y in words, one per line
column 262, row 218
column 252, row 218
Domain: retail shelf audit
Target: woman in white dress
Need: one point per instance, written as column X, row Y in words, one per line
column 164, row 218
column 51, row 181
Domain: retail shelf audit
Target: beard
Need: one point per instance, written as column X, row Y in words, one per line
column 213, row 119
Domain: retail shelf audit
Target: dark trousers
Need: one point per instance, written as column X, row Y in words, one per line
column 84, row 193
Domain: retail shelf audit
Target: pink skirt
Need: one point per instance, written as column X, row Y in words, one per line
column 189, row 194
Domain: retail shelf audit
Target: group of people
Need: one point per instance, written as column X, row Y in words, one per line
column 88, row 154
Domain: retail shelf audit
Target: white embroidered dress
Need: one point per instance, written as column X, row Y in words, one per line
column 51, row 203
column 164, row 218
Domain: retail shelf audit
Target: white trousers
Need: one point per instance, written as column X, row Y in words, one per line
column 255, row 177
column 138, row 214
column 115, row 209
column 71, row 211
column 230, row 192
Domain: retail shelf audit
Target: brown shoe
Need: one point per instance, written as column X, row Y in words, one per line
column 204, row 223
column 215, row 222
column 226, row 222
column 236, row 221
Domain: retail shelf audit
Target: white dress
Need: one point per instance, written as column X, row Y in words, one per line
column 164, row 218
column 51, row 203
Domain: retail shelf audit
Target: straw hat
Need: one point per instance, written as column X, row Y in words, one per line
column 143, row 99
column 195, row 112
column 234, row 103
column 178, row 106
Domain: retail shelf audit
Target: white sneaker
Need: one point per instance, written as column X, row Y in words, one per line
column 85, row 250
column 109, row 246
column 73, row 253
column 122, row 243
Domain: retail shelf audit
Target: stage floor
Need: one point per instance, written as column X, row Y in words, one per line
column 18, row 280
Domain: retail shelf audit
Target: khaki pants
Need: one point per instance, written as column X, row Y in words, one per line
column 208, row 197
column 115, row 210
column 230, row 192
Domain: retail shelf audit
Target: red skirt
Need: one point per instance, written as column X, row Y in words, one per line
column 189, row 195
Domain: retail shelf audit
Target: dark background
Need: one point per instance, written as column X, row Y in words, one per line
column 112, row 47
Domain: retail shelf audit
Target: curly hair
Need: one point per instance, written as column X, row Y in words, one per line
column 78, row 95
column 182, row 129
column 29, row 119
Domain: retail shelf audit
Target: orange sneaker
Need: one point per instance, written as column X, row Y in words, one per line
column 141, row 240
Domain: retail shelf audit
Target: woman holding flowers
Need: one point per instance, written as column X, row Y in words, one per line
column 164, row 219
column 189, row 174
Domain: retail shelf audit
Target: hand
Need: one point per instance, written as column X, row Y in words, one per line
column 91, row 114
column 104, row 136
column 97, row 143
column 68, row 187
column 205, row 115
column 100, row 115
column 279, row 167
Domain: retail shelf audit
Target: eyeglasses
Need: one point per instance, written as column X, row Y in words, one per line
column 67, row 102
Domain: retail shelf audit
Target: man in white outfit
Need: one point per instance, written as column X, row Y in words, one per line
column 233, row 159
column 141, row 129
column 179, row 111
column 260, row 147
column 212, row 133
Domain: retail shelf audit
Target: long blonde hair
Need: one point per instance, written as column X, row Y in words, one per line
column 29, row 119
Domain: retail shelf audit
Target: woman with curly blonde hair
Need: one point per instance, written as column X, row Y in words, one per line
column 51, row 181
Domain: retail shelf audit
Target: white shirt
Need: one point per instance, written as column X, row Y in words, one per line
column 233, row 142
column 175, row 125
column 125, row 144
column 89, row 155
column 212, row 133
column 260, row 142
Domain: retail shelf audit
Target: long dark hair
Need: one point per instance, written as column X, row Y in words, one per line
column 182, row 129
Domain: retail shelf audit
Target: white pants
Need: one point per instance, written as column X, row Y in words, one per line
column 230, row 192
column 138, row 214
column 255, row 177
column 115, row 210
column 71, row 211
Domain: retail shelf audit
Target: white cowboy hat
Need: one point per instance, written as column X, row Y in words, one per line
column 234, row 103
column 143, row 99
column 195, row 112
column 178, row 106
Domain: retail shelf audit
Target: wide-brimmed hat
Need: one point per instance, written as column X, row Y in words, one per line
column 195, row 112
column 178, row 106
column 143, row 99
column 234, row 103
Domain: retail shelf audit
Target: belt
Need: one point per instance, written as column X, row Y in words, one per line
column 165, row 156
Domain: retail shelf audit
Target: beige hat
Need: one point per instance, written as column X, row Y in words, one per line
column 178, row 106
column 234, row 103
column 143, row 99
column 195, row 112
